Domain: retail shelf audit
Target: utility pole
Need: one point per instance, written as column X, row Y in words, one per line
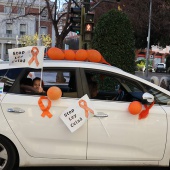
column 81, row 28
column 39, row 27
column 148, row 38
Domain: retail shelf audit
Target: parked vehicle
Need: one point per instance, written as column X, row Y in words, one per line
column 110, row 137
column 160, row 67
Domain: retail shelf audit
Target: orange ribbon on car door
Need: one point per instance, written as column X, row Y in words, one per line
column 83, row 105
column 43, row 108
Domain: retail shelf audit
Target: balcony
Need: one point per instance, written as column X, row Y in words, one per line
column 8, row 36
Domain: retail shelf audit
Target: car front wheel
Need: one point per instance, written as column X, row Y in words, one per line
column 7, row 154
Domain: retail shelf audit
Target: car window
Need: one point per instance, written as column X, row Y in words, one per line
column 8, row 77
column 160, row 97
column 107, row 85
column 160, row 65
column 110, row 85
column 65, row 79
column 115, row 88
column 131, row 86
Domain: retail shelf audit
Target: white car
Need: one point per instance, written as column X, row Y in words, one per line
column 111, row 137
column 160, row 67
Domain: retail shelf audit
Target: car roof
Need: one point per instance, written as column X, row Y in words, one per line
column 65, row 63
column 77, row 64
column 90, row 65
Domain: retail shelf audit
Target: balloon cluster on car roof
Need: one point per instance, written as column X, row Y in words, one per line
column 91, row 55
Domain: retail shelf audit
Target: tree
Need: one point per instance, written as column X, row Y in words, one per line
column 114, row 38
column 168, row 63
column 28, row 40
column 138, row 13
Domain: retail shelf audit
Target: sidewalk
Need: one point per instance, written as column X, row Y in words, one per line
column 150, row 74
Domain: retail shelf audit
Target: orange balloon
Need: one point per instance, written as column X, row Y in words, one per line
column 135, row 107
column 81, row 55
column 55, row 53
column 54, row 93
column 104, row 61
column 94, row 56
column 69, row 54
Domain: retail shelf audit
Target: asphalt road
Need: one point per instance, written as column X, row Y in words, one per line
column 142, row 75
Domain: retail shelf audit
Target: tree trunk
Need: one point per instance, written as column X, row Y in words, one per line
column 59, row 41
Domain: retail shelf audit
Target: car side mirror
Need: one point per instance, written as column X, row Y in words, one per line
column 148, row 97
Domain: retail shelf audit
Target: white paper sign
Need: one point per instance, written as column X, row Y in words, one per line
column 75, row 116
column 31, row 56
column 1, row 90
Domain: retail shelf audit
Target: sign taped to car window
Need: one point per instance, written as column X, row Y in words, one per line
column 75, row 116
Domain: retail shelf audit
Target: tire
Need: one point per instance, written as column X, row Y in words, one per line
column 8, row 155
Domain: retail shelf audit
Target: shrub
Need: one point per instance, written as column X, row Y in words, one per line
column 114, row 38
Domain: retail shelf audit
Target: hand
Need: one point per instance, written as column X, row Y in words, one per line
column 40, row 90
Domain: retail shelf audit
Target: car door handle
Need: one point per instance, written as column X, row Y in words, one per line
column 16, row 110
column 100, row 114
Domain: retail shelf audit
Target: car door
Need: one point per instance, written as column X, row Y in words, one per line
column 43, row 136
column 115, row 134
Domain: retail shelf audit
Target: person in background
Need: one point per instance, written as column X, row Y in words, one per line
column 93, row 89
column 60, row 77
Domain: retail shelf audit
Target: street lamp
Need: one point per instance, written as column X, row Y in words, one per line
column 148, row 38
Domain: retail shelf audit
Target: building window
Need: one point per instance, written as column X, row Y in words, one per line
column 22, row 29
column 44, row 14
column 43, row 30
column 9, row 29
column 8, row 46
column 21, row 11
column 7, row 9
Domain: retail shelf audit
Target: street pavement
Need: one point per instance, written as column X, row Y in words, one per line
column 150, row 74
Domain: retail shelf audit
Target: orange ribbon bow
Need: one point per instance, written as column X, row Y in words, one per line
column 43, row 108
column 83, row 104
column 145, row 112
column 34, row 53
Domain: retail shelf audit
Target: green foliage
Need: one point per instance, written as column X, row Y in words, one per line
column 167, row 62
column 29, row 40
column 140, row 64
column 114, row 38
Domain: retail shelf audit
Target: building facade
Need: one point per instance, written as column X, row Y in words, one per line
column 157, row 54
column 13, row 26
